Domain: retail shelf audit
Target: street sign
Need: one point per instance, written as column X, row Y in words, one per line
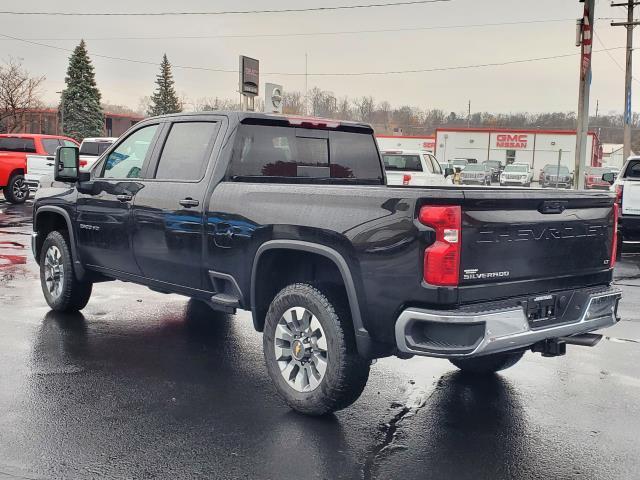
column 249, row 76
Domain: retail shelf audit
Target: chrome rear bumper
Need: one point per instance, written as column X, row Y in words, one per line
column 453, row 334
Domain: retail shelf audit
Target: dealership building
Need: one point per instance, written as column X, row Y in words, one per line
column 534, row 147
column 406, row 142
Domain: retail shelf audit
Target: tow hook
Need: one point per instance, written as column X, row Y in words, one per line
column 556, row 347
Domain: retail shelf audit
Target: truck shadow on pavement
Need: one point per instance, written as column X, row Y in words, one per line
column 101, row 389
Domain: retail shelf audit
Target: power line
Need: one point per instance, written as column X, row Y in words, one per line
column 312, row 34
column 227, row 12
column 320, row 74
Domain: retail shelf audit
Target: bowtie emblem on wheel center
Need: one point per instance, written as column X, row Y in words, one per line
column 297, row 350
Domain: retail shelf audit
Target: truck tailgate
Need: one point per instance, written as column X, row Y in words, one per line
column 511, row 237
column 631, row 198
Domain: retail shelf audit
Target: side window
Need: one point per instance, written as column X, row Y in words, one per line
column 428, row 163
column 437, row 169
column 184, row 155
column 50, row 145
column 68, row 143
column 127, row 159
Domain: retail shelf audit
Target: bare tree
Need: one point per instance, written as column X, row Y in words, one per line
column 365, row 108
column 19, row 92
column 293, row 103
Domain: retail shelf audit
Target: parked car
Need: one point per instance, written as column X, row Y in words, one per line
column 409, row 167
column 496, row 169
column 14, row 149
column 557, row 176
column 92, row 148
column 291, row 219
column 461, row 163
column 518, row 174
column 593, row 177
column 479, row 174
column 626, row 186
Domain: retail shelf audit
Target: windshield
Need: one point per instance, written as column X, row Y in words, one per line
column 493, row 163
column 516, row 168
column 474, row 168
column 404, row 163
column 552, row 169
column 460, row 163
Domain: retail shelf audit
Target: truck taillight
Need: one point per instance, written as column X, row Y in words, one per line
column 619, row 193
column 442, row 258
column 406, row 179
column 83, row 163
column 614, row 248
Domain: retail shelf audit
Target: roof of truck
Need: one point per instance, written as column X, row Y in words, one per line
column 276, row 117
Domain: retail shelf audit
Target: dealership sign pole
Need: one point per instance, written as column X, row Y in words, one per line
column 249, row 81
column 585, row 33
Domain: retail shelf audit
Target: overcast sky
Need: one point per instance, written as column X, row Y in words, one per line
column 536, row 86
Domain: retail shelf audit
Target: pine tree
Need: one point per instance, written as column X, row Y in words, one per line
column 164, row 100
column 80, row 101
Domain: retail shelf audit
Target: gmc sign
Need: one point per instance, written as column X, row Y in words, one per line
column 506, row 140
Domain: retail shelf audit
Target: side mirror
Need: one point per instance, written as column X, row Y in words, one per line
column 610, row 177
column 67, row 164
column 448, row 172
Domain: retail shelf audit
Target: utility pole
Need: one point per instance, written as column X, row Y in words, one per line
column 629, row 24
column 584, row 40
column 469, row 115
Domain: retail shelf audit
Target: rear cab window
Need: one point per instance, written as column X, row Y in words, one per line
column 17, row 144
column 403, row 163
column 633, row 169
column 295, row 154
column 94, row 149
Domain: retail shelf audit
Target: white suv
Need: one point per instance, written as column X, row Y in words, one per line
column 627, row 189
column 517, row 174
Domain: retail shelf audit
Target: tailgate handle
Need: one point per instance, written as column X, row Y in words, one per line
column 553, row 206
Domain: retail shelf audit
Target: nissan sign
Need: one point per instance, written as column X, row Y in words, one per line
column 249, row 76
column 272, row 98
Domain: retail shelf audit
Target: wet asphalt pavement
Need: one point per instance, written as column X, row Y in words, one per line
column 146, row 385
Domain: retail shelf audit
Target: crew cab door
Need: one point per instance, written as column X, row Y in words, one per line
column 103, row 210
column 168, row 220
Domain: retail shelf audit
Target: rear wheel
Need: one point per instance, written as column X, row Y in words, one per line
column 489, row 363
column 310, row 350
column 16, row 190
column 62, row 290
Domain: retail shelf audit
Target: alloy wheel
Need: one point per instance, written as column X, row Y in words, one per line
column 54, row 271
column 301, row 349
column 20, row 189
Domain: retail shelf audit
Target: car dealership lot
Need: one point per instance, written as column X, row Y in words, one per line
column 147, row 385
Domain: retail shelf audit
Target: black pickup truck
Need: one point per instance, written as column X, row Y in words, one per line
column 290, row 218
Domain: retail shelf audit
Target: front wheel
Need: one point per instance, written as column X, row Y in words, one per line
column 16, row 191
column 310, row 350
column 62, row 290
column 488, row 364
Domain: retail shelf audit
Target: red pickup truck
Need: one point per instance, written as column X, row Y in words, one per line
column 14, row 149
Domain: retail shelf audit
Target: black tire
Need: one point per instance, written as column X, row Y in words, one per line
column 16, row 191
column 488, row 364
column 346, row 372
column 72, row 295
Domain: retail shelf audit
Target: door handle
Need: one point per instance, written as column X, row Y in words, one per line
column 189, row 202
column 124, row 197
column 49, row 164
